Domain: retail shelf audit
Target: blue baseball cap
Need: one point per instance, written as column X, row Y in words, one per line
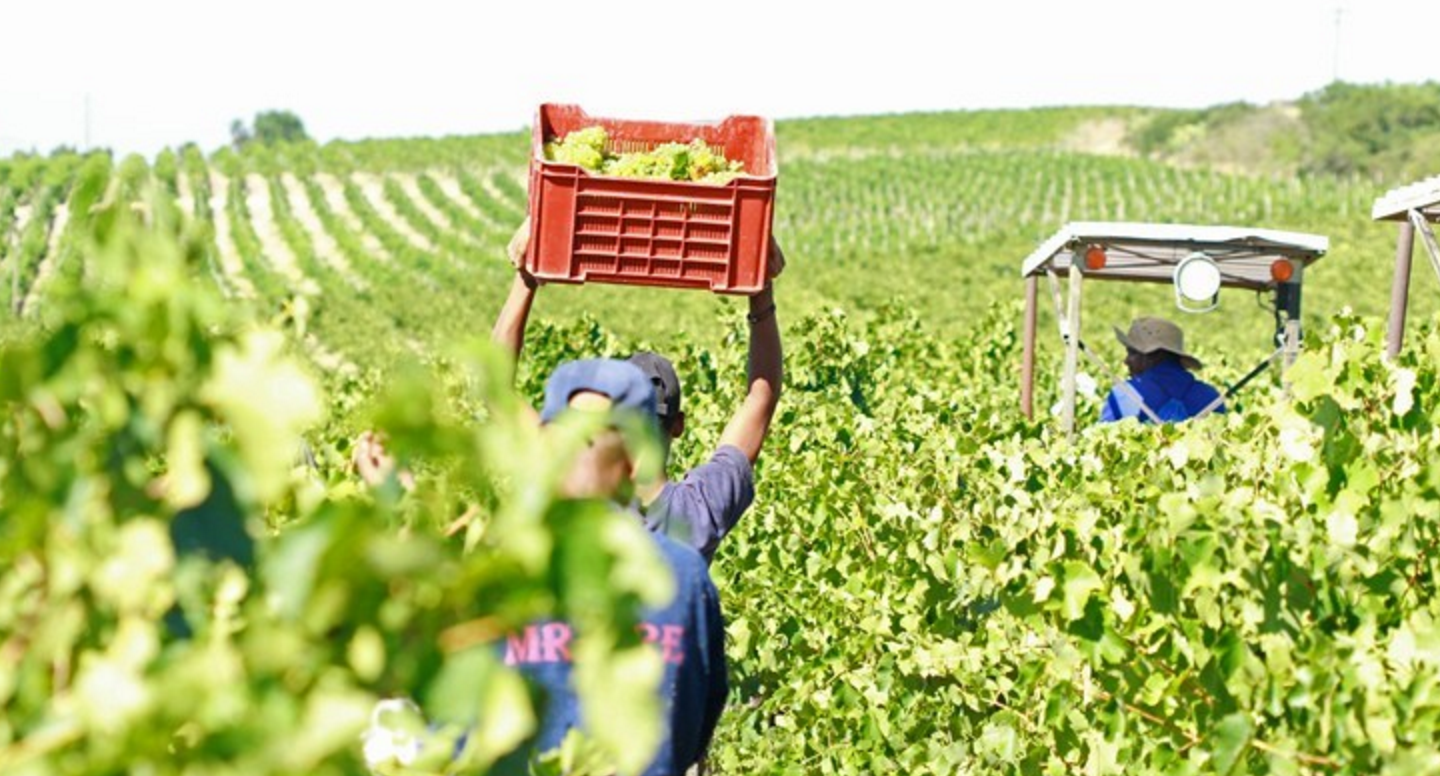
column 667, row 384
column 623, row 382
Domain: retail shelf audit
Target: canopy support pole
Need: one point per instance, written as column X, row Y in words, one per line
column 1400, row 289
column 1287, row 300
column 1027, row 363
column 1072, row 353
column 1120, row 385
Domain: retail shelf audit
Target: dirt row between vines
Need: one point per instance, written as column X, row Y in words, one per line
column 232, row 268
column 450, row 187
column 334, row 191
column 373, row 187
column 272, row 243
column 410, row 184
column 228, row 265
column 10, row 242
column 184, row 196
column 50, row 260
column 327, row 251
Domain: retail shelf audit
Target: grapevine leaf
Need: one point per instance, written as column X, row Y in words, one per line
column 1080, row 582
column 1229, row 738
column 1308, row 376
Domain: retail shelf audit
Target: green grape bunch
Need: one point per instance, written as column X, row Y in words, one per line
column 584, row 148
column 696, row 161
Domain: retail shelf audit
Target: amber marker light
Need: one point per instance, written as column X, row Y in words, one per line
column 1094, row 258
column 1282, row 270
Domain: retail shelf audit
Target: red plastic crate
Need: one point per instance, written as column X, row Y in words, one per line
column 590, row 227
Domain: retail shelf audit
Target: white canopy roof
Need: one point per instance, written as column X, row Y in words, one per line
column 1143, row 252
column 1423, row 196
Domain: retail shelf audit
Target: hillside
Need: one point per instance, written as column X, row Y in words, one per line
column 941, row 201
column 1387, row 134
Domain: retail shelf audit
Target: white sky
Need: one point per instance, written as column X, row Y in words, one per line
column 161, row 72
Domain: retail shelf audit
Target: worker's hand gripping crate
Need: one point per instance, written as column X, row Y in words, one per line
column 587, row 226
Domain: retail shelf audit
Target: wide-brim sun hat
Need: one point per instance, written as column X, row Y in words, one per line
column 1148, row 335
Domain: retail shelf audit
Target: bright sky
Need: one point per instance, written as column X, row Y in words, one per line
column 162, row 72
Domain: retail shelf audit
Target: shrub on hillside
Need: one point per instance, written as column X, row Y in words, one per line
column 1366, row 129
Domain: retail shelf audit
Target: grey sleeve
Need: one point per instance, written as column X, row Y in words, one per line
column 709, row 501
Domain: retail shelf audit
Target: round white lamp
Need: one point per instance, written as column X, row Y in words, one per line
column 1197, row 284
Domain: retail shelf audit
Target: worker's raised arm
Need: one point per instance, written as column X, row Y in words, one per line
column 751, row 423
column 509, row 330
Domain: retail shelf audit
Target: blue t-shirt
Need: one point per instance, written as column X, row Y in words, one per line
column 700, row 509
column 1169, row 390
column 690, row 634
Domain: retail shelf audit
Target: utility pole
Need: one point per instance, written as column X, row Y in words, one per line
column 87, row 122
column 1335, row 65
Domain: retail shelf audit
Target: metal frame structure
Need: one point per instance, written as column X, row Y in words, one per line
column 1149, row 253
column 1415, row 207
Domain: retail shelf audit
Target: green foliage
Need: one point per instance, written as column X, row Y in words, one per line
column 1371, row 130
column 1381, row 132
column 1169, row 131
column 24, row 171
column 270, row 127
column 167, row 169
column 131, row 177
column 928, row 586
column 278, row 126
column 148, row 432
column 1033, row 129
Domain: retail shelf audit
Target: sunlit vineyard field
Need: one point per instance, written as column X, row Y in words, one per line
column 930, row 212
column 927, row 583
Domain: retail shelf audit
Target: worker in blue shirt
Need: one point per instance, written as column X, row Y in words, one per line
column 1162, row 386
column 688, row 632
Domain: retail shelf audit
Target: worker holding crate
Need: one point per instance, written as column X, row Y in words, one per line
column 688, row 632
column 704, row 505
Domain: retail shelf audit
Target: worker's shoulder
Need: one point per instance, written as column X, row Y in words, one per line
column 684, row 561
column 727, row 459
